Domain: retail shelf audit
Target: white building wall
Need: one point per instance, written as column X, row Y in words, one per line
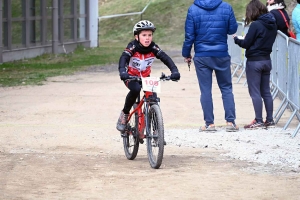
column 94, row 23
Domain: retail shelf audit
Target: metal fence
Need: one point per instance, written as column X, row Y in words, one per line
column 285, row 74
column 34, row 27
column 237, row 53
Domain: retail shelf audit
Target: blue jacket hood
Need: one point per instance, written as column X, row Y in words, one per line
column 208, row 4
column 208, row 22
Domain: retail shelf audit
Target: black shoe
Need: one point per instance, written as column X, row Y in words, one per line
column 270, row 124
column 141, row 141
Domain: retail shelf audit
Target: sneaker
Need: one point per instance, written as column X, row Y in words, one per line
column 122, row 121
column 270, row 124
column 231, row 127
column 209, row 128
column 254, row 125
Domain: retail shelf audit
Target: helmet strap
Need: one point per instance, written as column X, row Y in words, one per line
column 138, row 39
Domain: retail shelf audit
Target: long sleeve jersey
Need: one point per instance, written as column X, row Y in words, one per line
column 137, row 60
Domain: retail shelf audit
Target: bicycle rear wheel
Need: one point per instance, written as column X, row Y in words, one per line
column 155, row 137
column 131, row 137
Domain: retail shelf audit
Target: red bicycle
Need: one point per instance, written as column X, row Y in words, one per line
column 146, row 115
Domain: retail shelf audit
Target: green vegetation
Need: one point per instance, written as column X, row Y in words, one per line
column 35, row 71
column 168, row 17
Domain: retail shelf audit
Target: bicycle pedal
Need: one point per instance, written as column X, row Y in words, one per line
column 141, row 141
column 123, row 135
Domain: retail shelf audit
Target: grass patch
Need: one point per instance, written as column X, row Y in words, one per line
column 169, row 19
column 35, row 71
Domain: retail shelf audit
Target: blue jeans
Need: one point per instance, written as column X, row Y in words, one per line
column 258, row 78
column 204, row 68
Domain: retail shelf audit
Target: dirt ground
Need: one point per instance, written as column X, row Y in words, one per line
column 58, row 141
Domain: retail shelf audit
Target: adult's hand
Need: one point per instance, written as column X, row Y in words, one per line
column 188, row 59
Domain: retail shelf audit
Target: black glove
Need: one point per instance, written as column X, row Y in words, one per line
column 175, row 76
column 124, row 76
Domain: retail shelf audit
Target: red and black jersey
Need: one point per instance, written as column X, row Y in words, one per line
column 137, row 60
column 140, row 64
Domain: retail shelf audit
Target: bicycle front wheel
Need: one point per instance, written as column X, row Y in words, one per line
column 131, row 137
column 155, row 137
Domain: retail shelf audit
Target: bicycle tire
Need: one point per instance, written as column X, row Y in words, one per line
column 155, row 137
column 131, row 137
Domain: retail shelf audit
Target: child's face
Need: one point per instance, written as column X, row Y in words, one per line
column 145, row 37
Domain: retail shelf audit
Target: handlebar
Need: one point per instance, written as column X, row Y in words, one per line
column 163, row 77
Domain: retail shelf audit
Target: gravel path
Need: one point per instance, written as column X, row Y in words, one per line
column 274, row 146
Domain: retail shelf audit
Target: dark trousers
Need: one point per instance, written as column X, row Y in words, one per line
column 204, row 69
column 134, row 91
column 258, row 78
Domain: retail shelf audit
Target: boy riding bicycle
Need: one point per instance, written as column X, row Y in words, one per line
column 136, row 60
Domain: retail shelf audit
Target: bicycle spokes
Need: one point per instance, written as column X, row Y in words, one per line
column 130, row 138
column 155, row 137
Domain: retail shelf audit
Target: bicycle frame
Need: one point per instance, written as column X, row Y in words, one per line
column 146, row 101
column 147, row 115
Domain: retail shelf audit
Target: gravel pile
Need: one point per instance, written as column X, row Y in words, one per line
column 274, row 146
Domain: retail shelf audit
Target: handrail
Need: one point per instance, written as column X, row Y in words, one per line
column 125, row 14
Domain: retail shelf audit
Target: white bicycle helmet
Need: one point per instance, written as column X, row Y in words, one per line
column 143, row 25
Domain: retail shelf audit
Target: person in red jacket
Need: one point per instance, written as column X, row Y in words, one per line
column 136, row 60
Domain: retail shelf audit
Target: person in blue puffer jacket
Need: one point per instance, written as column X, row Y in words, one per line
column 207, row 25
column 296, row 19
